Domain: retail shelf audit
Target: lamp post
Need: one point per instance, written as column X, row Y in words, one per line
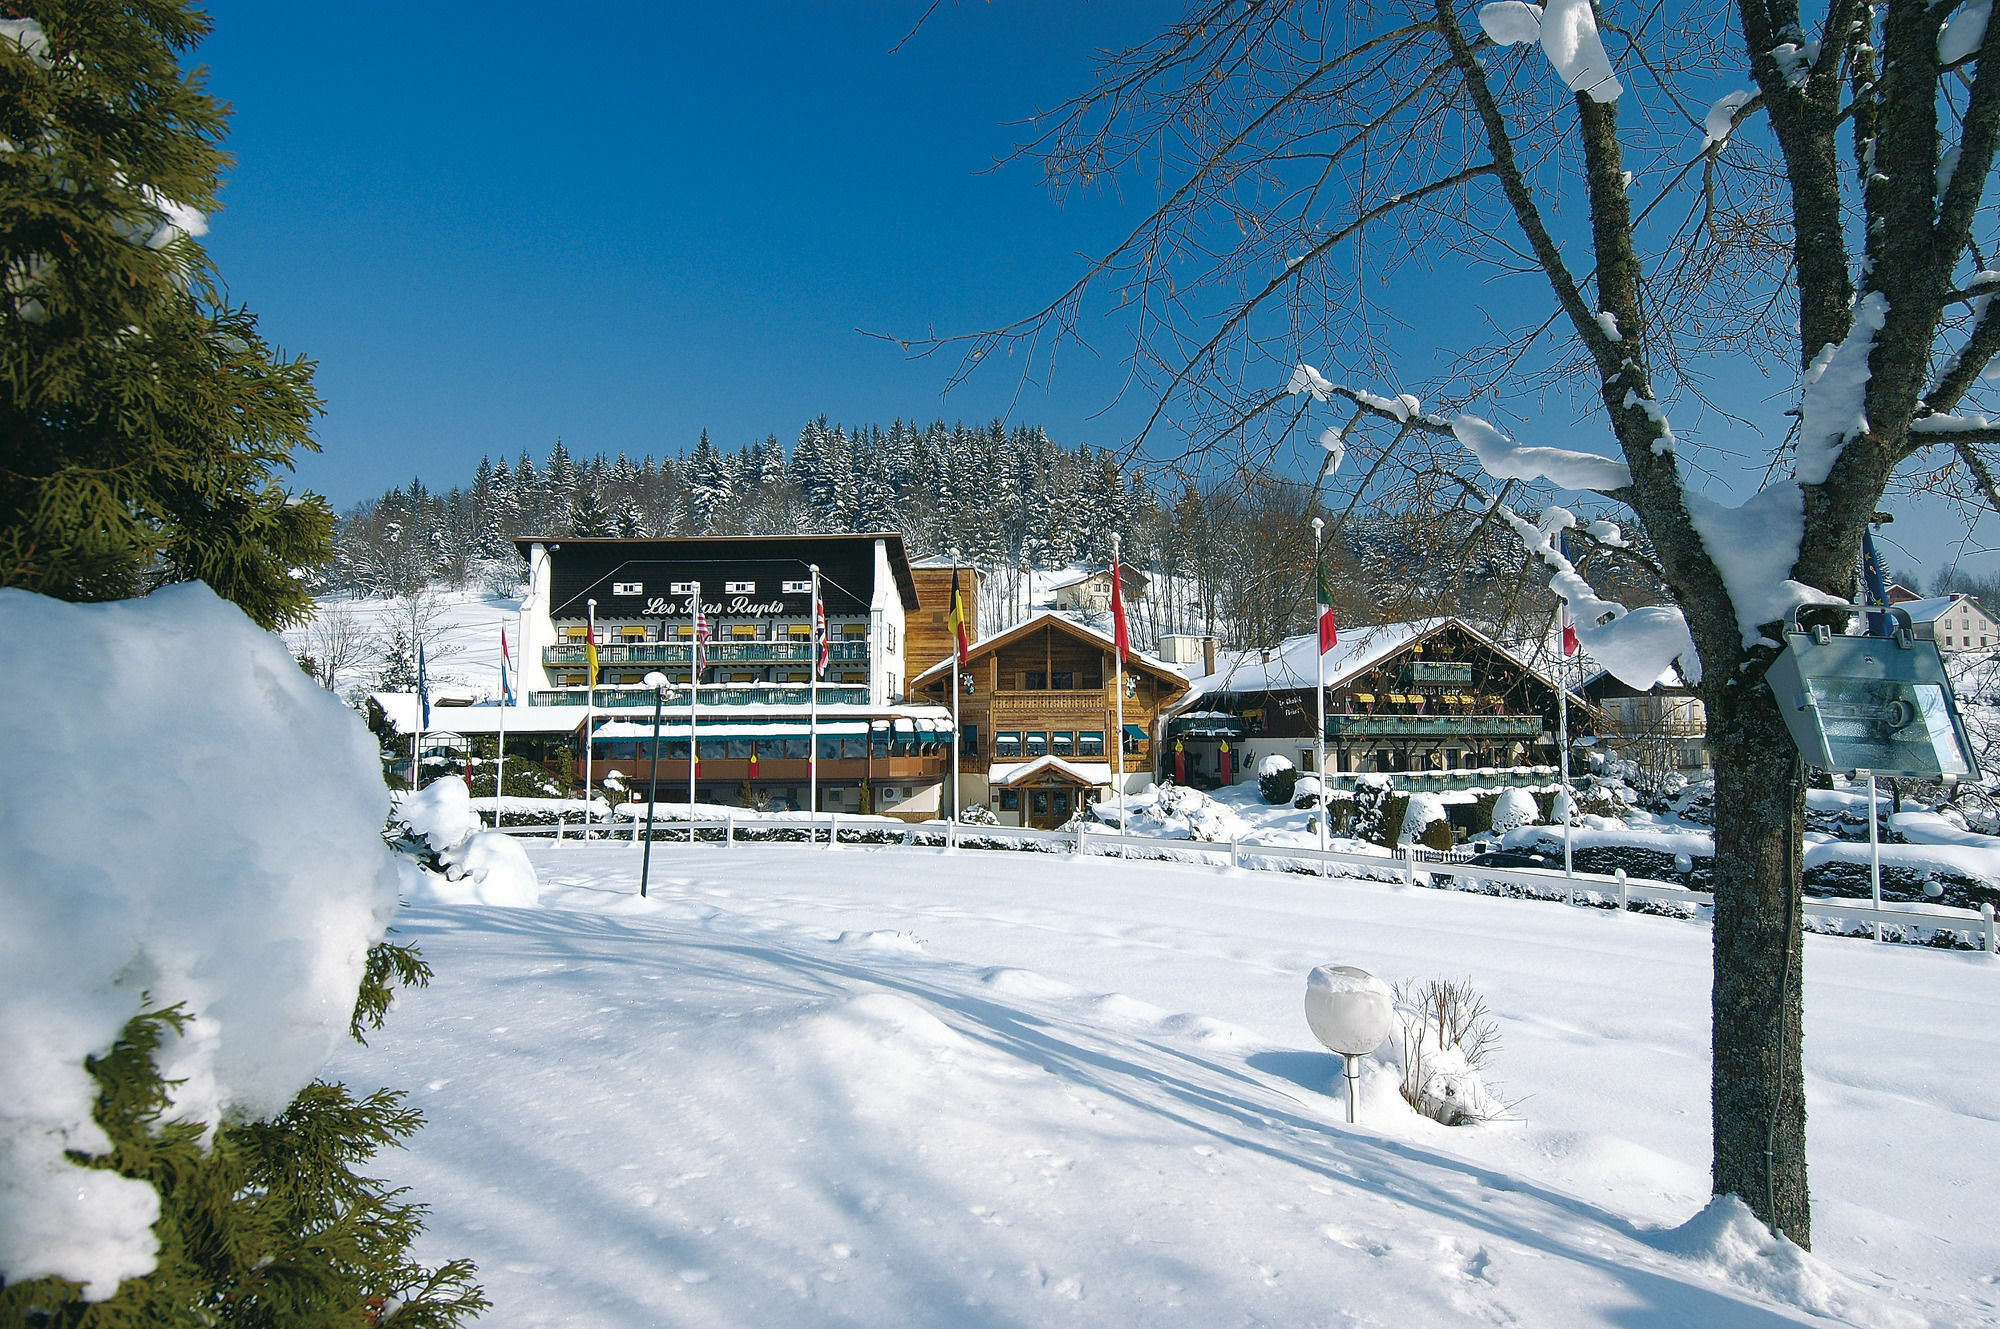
column 657, row 681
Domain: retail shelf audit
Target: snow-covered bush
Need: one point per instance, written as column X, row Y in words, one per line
column 977, row 814
column 1372, row 798
column 1275, row 779
column 1444, row 1036
column 185, row 947
column 1514, row 809
column 1424, row 812
column 1308, row 792
column 478, row 866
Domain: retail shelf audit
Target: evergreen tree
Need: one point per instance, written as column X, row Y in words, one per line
column 145, row 420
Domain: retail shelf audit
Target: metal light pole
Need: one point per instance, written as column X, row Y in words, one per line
column 657, row 681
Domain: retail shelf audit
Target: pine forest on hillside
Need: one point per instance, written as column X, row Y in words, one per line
column 1232, row 559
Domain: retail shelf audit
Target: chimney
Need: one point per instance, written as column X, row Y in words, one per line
column 1208, row 655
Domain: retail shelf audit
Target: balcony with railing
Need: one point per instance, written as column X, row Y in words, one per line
column 1434, row 726
column 717, row 652
column 720, row 694
column 1342, row 783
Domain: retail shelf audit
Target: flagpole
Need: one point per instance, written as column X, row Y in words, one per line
column 694, row 705
column 500, row 756
column 589, row 706
column 1562, row 737
column 957, row 686
column 812, row 714
column 1118, row 698
column 1319, row 695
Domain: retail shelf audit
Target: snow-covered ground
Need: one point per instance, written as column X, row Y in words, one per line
column 904, row 1087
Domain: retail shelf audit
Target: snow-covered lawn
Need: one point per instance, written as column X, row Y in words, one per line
column 903, row 1087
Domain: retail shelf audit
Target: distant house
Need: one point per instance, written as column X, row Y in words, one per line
column 1955, row 622
column 1433, row 704
column 1900, row 594
column 1663, row 729
column 1091, row 591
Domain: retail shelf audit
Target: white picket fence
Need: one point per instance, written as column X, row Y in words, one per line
column 1409, row 865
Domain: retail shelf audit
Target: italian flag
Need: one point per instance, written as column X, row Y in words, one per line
column 1328, row 635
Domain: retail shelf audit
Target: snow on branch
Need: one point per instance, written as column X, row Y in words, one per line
column 1638, row 646
column 1504, row 459
column 1835, row 391
column 1567, row 32
column 1754, row 547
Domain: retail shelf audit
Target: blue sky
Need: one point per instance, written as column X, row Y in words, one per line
column 495, row 225
column 625, row 228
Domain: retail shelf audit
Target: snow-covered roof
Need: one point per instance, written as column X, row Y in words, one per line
column 1292, row 661
column 1358, row 650
column 400, row 709
column 1084, row 772
column 1071, row 621
column 1931, row 610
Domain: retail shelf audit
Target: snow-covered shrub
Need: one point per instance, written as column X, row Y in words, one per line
column 977, row 814
column 1307, row 793
column 478, row 866
column 1514, row 809
column 1276, row 778
column 185, row 948
column 1424, row 812
column 1444, row 1036
column 1373, row 795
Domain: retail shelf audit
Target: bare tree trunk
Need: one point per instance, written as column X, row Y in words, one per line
column 1757, row 1087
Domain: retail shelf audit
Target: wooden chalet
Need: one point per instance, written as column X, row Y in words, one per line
column 1039, row 723
column 1434, row 704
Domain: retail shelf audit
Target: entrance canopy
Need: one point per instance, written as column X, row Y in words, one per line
column 1051, row 770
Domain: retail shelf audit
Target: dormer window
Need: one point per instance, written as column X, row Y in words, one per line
column 798, row 587
column 739, row 588
column 628, row 588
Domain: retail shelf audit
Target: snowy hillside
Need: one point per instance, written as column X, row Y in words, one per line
column 901, row 1087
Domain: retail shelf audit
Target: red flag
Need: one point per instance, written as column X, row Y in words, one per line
column 1569, row 631
column 1119, row 636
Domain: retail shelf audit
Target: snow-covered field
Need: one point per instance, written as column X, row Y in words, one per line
column 905, row 1087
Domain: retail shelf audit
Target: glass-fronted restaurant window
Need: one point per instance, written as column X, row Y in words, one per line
column 1006, row 745
column 1062, row 744
column 1090, row 743
column 1035, row 745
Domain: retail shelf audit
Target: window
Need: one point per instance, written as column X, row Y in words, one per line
column 798, row 587
column 742, row 677
column 853, row 630
column 968, row 740
column 888, row 636
column 739, row 588
column 1007, row 745
column 1010, row 800
column 681, row 587
column 1037, row 745
column 1063, row 744
column 854, row 678
column 797, row 749
column 1063, row 681
column 628, row 588
column 799, row 631
column 1090, row 743
column 1034, row 680
column 743, row 632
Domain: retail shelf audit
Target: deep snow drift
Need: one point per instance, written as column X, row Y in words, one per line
column 909, row 1087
